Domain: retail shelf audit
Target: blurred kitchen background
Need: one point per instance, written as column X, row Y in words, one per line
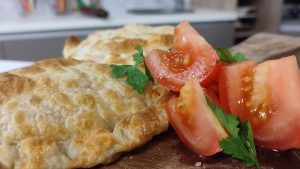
column 36, row 29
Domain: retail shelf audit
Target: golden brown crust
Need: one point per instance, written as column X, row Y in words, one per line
column 18, row 84
column 135, row 131
column 117, row 46
column 71, row 114
column 70, row 43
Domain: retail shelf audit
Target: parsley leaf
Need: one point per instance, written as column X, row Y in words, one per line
column 137, row 79
column 240, row 144
column 119, row 70
column 148, row 73
column 138, row 57
column 135, row 76
column 230, row 122
column 226, row 56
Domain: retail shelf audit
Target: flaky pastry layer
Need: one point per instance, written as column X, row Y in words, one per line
column 72, row 114
column 117, row 45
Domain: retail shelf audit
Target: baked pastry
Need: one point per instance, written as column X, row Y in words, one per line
column 117, row 45
column 72, row 114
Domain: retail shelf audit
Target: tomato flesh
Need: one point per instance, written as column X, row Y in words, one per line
column 194, row 121
column 177, row 61
column 190, row 58
column 276, row 90
column 230, row 86
column 266, row 94
column 213, row 77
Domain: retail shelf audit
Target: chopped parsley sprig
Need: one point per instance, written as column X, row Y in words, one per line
column 240, row 143
column 139, row 58
column 136, row 78
column 226, row 56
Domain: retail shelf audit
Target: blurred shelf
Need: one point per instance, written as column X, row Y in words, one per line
column 78, row 21
column 257, row 16
column 246, row 12
column 38, row 38
column 247, row 16
column 291, row 27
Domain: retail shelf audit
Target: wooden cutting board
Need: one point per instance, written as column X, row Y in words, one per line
column 265, row 46
column 166, row 151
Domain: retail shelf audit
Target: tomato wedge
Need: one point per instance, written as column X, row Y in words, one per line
column 191, row 58
column 194, row 121
column 230, row 86
column 211, row 88
column 212, row 92
column 276, row 88
column 268, row 95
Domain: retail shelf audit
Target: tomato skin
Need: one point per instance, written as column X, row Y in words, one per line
column 213, row 77
column 211, row 84
column 212, row 92
column 201, row 59
column 194, row 122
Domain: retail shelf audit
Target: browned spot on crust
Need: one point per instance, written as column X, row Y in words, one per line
column 35, row 100
column 124, row 45
column 18, row 83
column 70, row 44
column 86, row 100
column 32, row 70
column 19, row 117
column 105, row 69
column 11, row 106
column 61, row 99
column 72, row 84
column 57, row 63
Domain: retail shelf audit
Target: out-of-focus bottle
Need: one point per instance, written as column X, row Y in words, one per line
column 28, row 6
column 61, row 6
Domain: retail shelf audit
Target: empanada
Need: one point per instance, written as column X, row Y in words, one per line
column 117, row 45
column 72, row 114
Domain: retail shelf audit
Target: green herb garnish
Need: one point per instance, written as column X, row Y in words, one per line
column 240, row 144
column 135, row 76
column 226, row 56
column 139, row 58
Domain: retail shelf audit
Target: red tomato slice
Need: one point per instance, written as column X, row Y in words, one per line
column 276, row 95
column 230, row 90
column 268, row 96
column 194, row 121
column 211, row 86
column 191, row 58
column 212, row 92
column 213, row 77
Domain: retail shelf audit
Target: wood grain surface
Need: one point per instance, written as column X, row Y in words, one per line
column 265, row 46
column 166, row 151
